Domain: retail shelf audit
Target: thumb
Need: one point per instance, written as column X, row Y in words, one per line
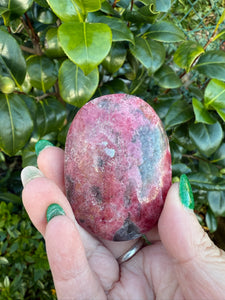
column 200, row 265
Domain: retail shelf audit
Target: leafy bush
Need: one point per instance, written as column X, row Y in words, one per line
column 58, row 54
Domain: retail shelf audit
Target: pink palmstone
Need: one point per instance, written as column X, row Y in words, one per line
column 117, row 167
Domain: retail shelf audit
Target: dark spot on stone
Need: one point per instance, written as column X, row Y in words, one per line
column 95, row 190
column 105, row 103
column 69, row 187
column 100, row 163
column 128, row 231
column 81, row 220
column 128, row 195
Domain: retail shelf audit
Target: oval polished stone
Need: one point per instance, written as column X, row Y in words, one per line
column 117, row 167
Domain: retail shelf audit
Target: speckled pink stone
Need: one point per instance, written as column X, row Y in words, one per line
column 117, row 167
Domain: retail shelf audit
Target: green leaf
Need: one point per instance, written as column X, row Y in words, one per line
column 19, row 7
column 76, row 88
column 187, row 53
column 14, row 9
column 150, row 53
column 201, row 113
column 88, row 5
column 52, row 45
column 115, row 58
column 50, row 117
column 115, row 86
column 3, row 260
column 166, row 32
column 214, row 94
column 12, row 57
column 42, row 72
column 202, row 182
column 219, row 155
column 163, row 5
column 45, row 16
column 29, row 156
column 9, row 197
column 167, row 78
column 15, row 123
column 220, row 35
column 89, row 46
column 178, row 113
column 214, row 97
column 64, row 9
column 179, row 169
column 120, row 31
column 212, row 64
column 207, row 138
column 217, row 203
column 144, row 14
column 211, row 221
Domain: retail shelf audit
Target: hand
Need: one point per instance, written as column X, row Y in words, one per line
column 181, row 263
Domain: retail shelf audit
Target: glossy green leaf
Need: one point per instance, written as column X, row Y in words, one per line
column 179, row 169
column 115, row 58
column 150, row 53
column 202, row 182
column 214, row 94
column 45, row 16
column 19, row 7
column 76, row 88
column 220, row 35
column 214, row 97
column 12, row 57
column 187, row 53
column 201, row 113
column 115, row 86
column 120, row 31
column 212, row 64
column 163, row 5
column 144, row 14
column 52, row 45
column 178, row 113
column 207, row 138
column 217, row 202
column 13, row 9
column 88, row 5
column 89, row 46
column 15, row 123
column 167, row 78
column 211, row 221
column 42, row 72
column 219, row 155
column 181, row 137
column 50, row 116
column 29, row 156
column 64, row 9
column 166, row 32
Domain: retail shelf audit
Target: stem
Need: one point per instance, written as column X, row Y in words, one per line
column 34, row 37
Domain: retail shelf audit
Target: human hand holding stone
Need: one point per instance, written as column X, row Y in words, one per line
column 180, row 263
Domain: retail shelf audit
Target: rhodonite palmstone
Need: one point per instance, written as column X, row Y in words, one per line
column 117, row 167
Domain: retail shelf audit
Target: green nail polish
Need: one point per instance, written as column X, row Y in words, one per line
column 41, row 145
column 185, row 192
column 53, row 211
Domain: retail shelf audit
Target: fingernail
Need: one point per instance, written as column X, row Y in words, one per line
column 41, row 145
column 185, row 192
column 29, row 173
column 53, row 211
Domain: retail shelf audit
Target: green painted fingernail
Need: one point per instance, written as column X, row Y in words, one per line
column 185, row 192
column 53, row 211
column 41, row 145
